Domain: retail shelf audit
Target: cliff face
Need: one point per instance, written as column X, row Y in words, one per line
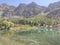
column 54, row 10
column 25, row 10
column 29, row 10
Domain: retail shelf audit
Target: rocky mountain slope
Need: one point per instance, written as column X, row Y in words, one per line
column 54, row 10
column 6, row 10
column 24, row 10
column 29, row 10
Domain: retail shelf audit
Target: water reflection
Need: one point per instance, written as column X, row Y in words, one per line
column 46, row 28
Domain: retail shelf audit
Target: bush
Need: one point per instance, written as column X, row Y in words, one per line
column 6, row 25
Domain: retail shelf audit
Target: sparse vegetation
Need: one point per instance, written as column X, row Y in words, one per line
column 30, row 24
column 31, row 31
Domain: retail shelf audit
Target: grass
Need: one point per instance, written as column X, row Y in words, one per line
column 24, row 28
column 1, row 43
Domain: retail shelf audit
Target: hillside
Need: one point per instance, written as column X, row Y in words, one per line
column 29, row 10
column 54, row 10
column 6, row 10
column 24, row 10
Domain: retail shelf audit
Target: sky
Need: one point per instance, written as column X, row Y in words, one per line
column 17, row 2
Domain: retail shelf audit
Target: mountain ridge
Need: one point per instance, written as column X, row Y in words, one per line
column 29, row 10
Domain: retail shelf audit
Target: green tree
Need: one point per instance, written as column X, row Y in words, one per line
column 6, row 25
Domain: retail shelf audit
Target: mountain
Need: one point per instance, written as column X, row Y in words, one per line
column 54, row 5
column 4, row 7
column 23, row 10
column 29, row 10
column 6, row 10
column 54, row 10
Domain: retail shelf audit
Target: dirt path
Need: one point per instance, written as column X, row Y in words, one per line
column 6, row 41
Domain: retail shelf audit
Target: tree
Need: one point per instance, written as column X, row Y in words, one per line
column 6, row 25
